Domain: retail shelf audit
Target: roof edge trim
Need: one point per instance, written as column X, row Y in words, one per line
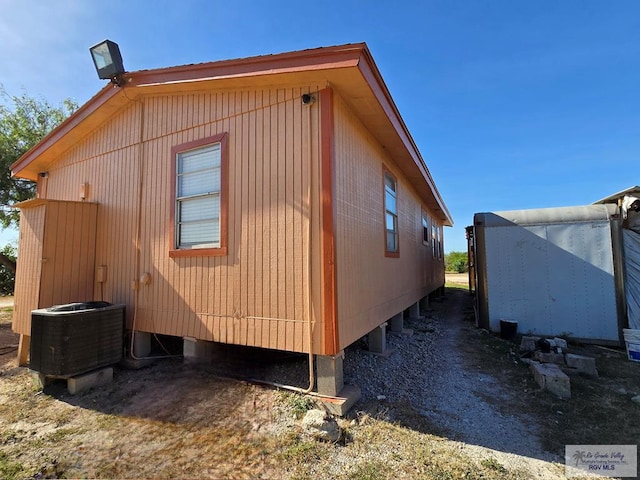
column 372, row 74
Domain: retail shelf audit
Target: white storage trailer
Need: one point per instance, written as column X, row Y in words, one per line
column 554, row 271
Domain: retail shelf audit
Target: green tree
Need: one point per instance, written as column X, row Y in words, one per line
column 7, row 276
column 456, row 262
column 24, row 121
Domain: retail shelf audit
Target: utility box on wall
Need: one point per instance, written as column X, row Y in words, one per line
column 555, row 271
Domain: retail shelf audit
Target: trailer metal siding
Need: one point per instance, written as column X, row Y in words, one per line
column 551, row 270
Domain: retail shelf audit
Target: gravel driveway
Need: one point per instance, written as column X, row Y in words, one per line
column 432, row 373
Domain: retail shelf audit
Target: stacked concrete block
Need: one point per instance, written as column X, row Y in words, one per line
column 558, row 343
column 97, row 378
column 546, row 365
column 582, row 364
column 549, row 357
column 528, row 344
column 551, row 378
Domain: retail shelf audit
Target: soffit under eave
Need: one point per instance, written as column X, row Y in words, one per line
column 46, row 152
column 361, row 101
column 347, row 80
column 86, row 120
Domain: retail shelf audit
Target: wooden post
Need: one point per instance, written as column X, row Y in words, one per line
column 23, row 350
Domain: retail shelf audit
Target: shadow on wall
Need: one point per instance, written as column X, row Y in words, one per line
column 551, row 278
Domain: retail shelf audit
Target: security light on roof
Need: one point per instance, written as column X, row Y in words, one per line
column 108, row 61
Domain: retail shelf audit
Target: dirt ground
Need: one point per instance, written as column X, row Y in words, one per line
column 458, row 411
column 461, row 279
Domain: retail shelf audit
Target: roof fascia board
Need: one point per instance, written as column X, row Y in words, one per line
column 373, row 77
column 102, row 97
column 305, row 61
column 616, row 196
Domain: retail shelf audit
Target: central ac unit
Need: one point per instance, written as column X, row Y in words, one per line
column 75, row 338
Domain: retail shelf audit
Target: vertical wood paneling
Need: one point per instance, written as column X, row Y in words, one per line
column 372, row 287
column 57, row 253
column 255, row 295
column 27, row 286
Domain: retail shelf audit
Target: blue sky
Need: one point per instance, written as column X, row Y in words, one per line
column 513, row 104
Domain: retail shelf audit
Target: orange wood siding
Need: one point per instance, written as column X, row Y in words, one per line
column 372, row 287
column 56, row 257
column 27, row 287
column 255, row 295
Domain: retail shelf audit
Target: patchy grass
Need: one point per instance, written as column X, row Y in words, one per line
column 298, row 403
column 456, row 280
column 370, row 470
column 10, row 469
column 381, row 448
column 298, row 451
column 599, row 409
column 493, row 464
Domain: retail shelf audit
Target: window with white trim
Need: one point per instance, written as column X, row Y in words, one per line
column 391, row 214
column 198, row 197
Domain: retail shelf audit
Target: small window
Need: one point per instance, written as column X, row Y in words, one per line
column 434, row 240
column 425, row 228
column 392, row 247
column 199, row 209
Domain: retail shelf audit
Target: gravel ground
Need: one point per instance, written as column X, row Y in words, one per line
column 429, row 373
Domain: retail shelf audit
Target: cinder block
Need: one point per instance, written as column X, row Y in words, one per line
column 559, row 342
column 378, row 340
column 528, row 344
column 197, row 351
column 39, row 379
column 414, row 311
column 89, row 380
column 396, row 323
column 141, row 344
column 551, row 378
column 329, row 374
column 424, row 304
column 550, row 357
column 586, row 365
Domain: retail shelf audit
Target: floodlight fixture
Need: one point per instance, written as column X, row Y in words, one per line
column 108, row 62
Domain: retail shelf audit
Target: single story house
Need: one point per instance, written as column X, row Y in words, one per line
column 277, row 201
